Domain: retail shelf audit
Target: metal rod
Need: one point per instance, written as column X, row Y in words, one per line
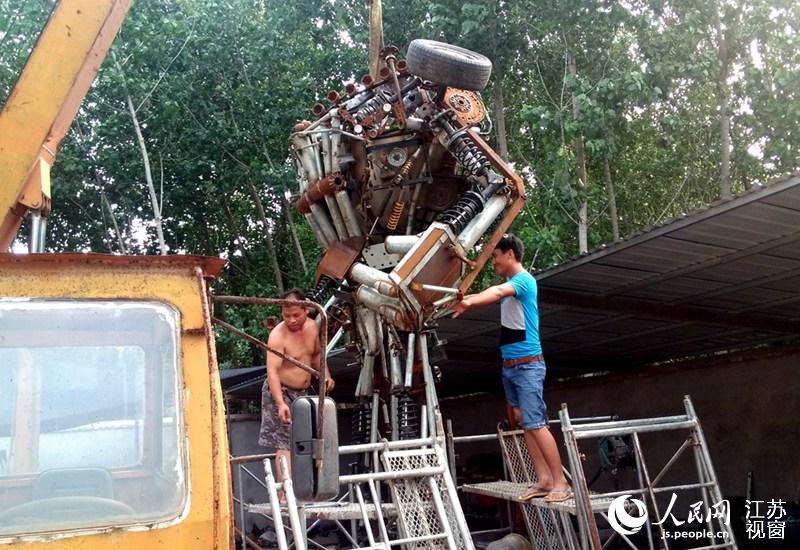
column 635, row 429
column 364, row 517
column 275, row 505
column 671, row 461
column 630, row 422
column 439, row 507
column 638, row 450
column 291, row 504
column 709, row 465
column 250, row 458
column 240, row 490
column 400, row 474
column 640, row 477
column 410, row 352
column 450, row 487
column 386, row 445
column 373, row 490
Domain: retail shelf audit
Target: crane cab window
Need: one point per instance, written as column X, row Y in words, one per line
column 91, row 429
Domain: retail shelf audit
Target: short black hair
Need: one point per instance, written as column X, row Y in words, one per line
column 511, row 242
column 293, row 294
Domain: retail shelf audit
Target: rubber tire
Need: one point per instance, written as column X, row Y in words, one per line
column 449, row 65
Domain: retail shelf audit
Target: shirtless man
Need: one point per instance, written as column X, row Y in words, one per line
column 296, row 336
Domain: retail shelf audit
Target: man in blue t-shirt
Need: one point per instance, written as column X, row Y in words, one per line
column 523, row 363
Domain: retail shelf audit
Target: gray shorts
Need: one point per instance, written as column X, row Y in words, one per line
column 275, row 434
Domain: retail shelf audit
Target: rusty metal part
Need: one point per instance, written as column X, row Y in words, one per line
column 318, row 109
column 467, row 106
column 325, row 187
column 339, row 258
column 359, row 152
column 366, row 80
column 333, row 96
column 216, row 398
column 351, row 89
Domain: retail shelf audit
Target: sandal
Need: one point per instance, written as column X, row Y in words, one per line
column 559, row 495
column 533, row 492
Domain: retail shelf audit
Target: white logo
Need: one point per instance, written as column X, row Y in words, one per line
column 621, row 520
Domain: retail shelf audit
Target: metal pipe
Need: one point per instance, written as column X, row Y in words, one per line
column 386, row 445
column 412, row 209
column 400, row 474
column 335, row 340
column 364, row 517
column 375, row 278
column 476, row 228
column 636, row 429
column 336, row 218
column 399, row 244
column 324, row 223
column 395, row 369
column 410, row 352
column 378, row 512
column 640, row 461
column 716, row 495
column 324, row 139
column 444, row 521
column 630, row 422
column 316, row 229
column 291, row 504
column 303, row 146
column 336, row 141
column 274, row 505
column 390, row 308
column 38, row 231
column 348, row 213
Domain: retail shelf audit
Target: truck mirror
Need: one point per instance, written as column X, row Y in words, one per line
column 309, row 483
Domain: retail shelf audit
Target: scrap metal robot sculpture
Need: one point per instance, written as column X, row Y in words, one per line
column 407, row 202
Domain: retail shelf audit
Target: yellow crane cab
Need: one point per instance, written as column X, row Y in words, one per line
column 112, row 430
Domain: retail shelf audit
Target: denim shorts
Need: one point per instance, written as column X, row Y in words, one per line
column 523, row 385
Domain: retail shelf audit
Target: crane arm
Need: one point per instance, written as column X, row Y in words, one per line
column 45, row 99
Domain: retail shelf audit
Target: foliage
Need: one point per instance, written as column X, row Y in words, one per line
column 218, row 85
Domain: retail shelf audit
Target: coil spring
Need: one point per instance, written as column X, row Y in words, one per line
column 362, row 423
column 463, row 211
column 468, row 154
column 408, row 426
column 373, row 105
column 397, row 213
column 322, row 288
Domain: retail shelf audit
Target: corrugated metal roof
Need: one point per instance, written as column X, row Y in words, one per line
column 727, row 277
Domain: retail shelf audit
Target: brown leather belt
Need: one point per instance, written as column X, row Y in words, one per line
column 508, row 363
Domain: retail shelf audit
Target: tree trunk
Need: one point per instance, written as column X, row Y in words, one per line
column 612, row 199
column 113, row 221
column 148, row 175
column 273, row 257
column 500, row 117
column 293, row 230
column 580, row 157
column 723, row 100
column 375, row 38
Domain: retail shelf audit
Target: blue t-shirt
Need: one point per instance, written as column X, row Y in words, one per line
column 519, row 319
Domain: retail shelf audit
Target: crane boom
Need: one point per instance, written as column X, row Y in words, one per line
column 45, row 99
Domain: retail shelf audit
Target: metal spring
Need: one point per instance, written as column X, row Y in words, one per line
column 373, row 105
column 408, row 426
column 468, row 154
column 362, row 423
column 319, row 293
column 397, row 213
column 463, row 211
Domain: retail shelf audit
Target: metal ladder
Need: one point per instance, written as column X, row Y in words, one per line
column 425, row 504
column 588, row 505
